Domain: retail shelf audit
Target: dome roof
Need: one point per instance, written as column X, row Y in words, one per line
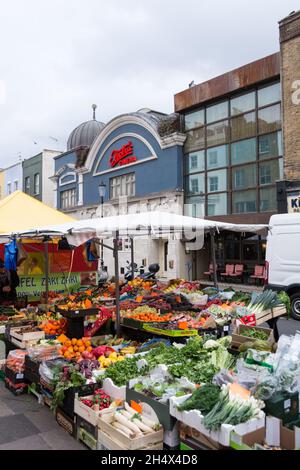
column 85, row 134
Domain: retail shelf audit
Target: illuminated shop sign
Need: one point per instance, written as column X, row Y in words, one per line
column 123, row 156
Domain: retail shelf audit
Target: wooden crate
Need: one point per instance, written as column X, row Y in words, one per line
column 104, row 425
column 238, row 339
column 87, row 438
column 23, row 340
column 87, row 413
column 106, row 442
column 270, row 314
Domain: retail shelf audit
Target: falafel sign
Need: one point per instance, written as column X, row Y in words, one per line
column 123, row 156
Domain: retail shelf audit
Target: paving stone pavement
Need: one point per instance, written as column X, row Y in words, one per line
column 27, row 425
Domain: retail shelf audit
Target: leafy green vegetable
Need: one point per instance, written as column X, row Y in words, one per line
column 285, row 299
column 203, row 399
column 122, row 371
column 195, row 371
column 64, row 379
column 254, row 333
column 222, row 359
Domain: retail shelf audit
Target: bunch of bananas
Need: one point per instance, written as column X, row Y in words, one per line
column 128, row 350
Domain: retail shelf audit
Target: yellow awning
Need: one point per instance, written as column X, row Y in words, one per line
column 20, row 212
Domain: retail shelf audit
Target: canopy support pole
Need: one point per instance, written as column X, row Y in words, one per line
column 116, row 256
column 46, row 270
column 213, row 255
column 132, row 257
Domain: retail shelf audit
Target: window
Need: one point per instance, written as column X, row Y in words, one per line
column 243, row 126
column 242, row 103
column 270, row 145
column 269, row 119
column 217, row 157
column 9, row 188
column 195, row 119
column 217, row 180
column 36, row 184
column 195, row 206
column 122, row 186
column 268, row 202
column 16, row 185
column 269, row 94
column 217, row 133
column 244, row 202
column 27, row 184
column 195, row 162
column 265, row 174
column 213, row 183
column 195, row 183
column 270, row 171
column 217, row 204
column 243, row 151
column 244, row 177
column 195, row 140
column 217, row 112
column 68, row 199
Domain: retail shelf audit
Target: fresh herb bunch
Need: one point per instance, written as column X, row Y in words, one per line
column 195, row 371
column 203, row 399
column 285, row 299
column 255, row 334
column 121, row 372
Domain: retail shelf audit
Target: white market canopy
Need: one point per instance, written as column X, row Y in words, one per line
column 133, row 225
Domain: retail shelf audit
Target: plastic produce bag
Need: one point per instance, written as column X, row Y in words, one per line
column 44, row 352
column 16, row 360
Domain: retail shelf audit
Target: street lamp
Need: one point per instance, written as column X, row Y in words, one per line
column 102, row 192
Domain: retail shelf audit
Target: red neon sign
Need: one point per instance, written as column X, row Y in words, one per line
column 123, row 156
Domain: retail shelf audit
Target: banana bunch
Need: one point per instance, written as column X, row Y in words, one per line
column 128, row 350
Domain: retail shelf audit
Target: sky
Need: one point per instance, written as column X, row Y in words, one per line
column 58, row 57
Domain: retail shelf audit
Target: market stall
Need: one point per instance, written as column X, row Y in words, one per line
column 191, row 366
column 136, row 225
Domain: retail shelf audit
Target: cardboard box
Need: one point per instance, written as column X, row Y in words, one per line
column 279, row 435
column 115, row 392
column 284, row 406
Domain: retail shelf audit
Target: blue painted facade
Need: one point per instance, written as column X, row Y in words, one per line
column 156, row 170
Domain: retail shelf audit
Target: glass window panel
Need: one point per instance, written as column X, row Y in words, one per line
column 243, row 126
column 195, row 206
column 269, row 119
column 217, row 112
column 269, row 94
column 269, row 172
column 243, row 151
column 232, row 250
column 217, row 133
column 217, row 181
column 196, row 184
column 270, row 145
column 244, row 201
column 268, row 202
column 242, row 103
column 195, row 119
column 195, row 140
column 195, row 162
column 250, row 251
column 217, row 204
column 217, row 157
column 244, row 177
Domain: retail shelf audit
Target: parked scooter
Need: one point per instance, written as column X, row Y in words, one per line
column 150, row 274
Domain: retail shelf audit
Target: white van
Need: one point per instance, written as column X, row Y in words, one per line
column 283, row 257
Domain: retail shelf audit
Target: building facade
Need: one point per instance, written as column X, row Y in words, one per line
column 13, row 179
column 36, row 176
column 136, row 157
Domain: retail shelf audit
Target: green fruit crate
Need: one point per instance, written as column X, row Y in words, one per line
column 173, row 333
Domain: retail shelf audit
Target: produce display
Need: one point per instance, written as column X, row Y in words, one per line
column 219, row 380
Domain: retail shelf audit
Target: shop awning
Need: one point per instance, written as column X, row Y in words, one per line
column 135, row 225
column 20, row 213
